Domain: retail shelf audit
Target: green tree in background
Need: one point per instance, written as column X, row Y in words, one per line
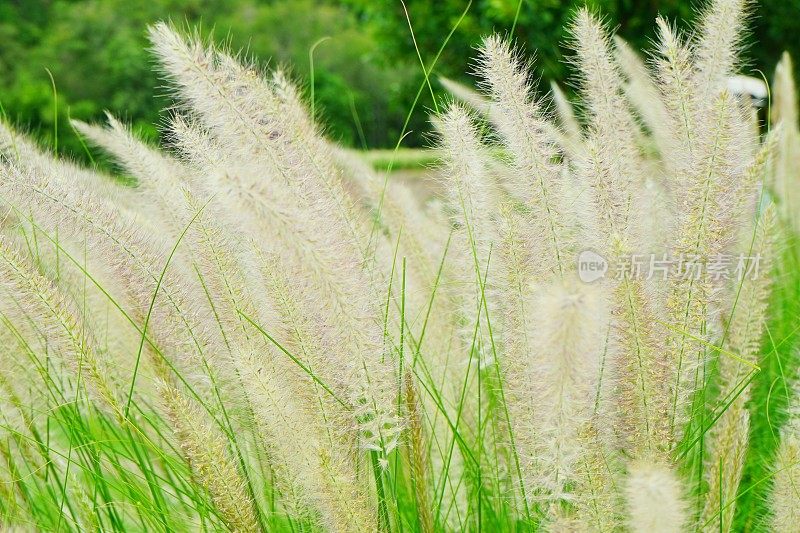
column 97, row 53
column 357, row 94
column 366, row 70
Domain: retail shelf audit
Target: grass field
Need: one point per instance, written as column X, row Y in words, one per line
column 563, row 316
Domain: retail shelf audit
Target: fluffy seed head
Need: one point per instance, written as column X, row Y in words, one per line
column 655, row 499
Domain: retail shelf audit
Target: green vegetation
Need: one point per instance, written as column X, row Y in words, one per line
column 367, row 71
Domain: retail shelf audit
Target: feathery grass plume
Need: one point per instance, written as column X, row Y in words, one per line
column 87, row 510
column 216, row 256
column 232, row 290
column 287, row 414
column 728, row 437
column 674, row 72
column 415, row 231
column 24, row 452
column 20, row 364
column 417, row 454
column 374, row 197
column 423, row 241
column 597, row 501
column 692, row 74
column 655, row 499
column 429, row 316
column 244, row 112
column 706, row 228
column 601, row 84
column 216, row 89
column 784, row 93
column 156, row 175
column 785, row 182
column 135, row 257
column 610, row 163
column 308, row 339
column 336, row 363
column 567, row 339
column 473, row 204
column 467, row 95
column 65, row 262
column 50, row 253
column 518, row 117
column 567, row 119
column 709, row 178
column 241, row 123
column 643, row 93
column 721, row 31
column 611, row 166
column 286, row 297
column 320, row 476
column 26, row 154
column 750, row 193
column 784, row 497
column 31, row 297
column 403, row 217
column 653, row 229
column 516, row 285
column 487, row 109
column 206, row 453
column 637, row 372
column 247, row 194
column 317, row 171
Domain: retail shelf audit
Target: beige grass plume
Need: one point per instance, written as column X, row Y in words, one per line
column 655, row 499
column 728, row 438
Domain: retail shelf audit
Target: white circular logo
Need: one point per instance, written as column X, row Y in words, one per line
column 591, row 266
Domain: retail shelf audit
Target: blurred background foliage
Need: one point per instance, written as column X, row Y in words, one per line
column 366, row 70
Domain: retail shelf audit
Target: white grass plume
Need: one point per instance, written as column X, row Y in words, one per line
column 785, row 183
column 519, row 119
column 473, row 196
column 315, row 474
column 644, row 95
column 568, row 339
column 241, row 109
column 39, row 301
column 467, row 95
column 704, row 230
column 610, row 116
column 674, row 71
column 206, row 452
column 728, row 438
column 567, row 119
column 717, row 45
column 135, row 257
column 271, row 383
column 655, row 499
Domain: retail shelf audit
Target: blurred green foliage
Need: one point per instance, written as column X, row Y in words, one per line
column 366, row 70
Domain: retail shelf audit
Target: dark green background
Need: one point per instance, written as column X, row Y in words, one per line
column 367, row 72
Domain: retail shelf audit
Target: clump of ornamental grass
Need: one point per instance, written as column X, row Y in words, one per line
column 661, row 339
column 263, row 333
